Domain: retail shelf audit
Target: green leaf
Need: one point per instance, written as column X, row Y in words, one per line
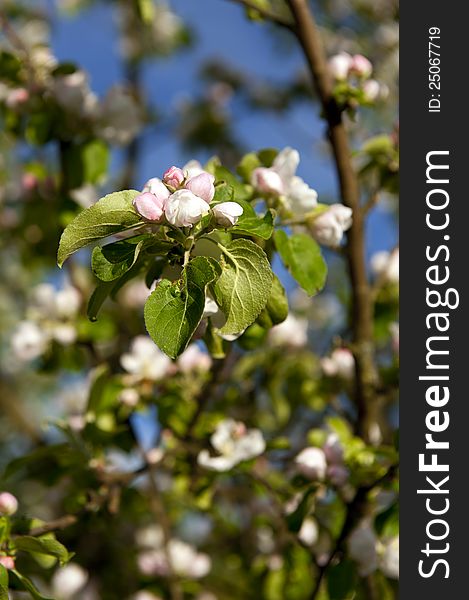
column 223, row 193
column 244, row 286
column 174, row 310
column 296, row 518
column 241, row 191
column 147, row 11
column 3, row 578
column 43, row 545
column 248, row 163
column 267, row 156
column 110, row 262
column 29, row 586
column 302, row 257
column 341, row 581
column 276, row 309
column 85, row 163
column 112, row 214
column 97, row 299
column 4, row 591
column 387, row 522
column 98, row 386
column 250, row 223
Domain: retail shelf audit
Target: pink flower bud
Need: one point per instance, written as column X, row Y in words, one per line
column 157, row 187
column 361, row 66
column 8, row 504
column 7, row 561
column 371, row 90
column 202, row 186
column 227, row 213
column 149, row 206
column 267, row 181
column 174, row 176
column 340, row 65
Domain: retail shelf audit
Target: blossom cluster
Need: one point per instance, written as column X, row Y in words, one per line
column 296, row 199
column 355, row 72
column 182, row 197
column 318, row 464
column 50, row 317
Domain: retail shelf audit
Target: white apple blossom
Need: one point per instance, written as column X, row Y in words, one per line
column 185, row 560
column 311, row 462
column 72, row 93
column 339, row 364
column 129, row 397
column 362, row 544
column 227, row 213
column 145, row 360
column 211, row 308
column 361, row 66
column 192, row 169
column 29, row 341
column 50, row 303
column 68, row 581
column 292, row 332
column 309, row 532
column 280, row 180
column 385, row 266
column 193, row 359
column 329, row 226
column 371, row 90
column 85, row 196
column 234, row 444
column 185, row 209
column 388, row 557
column 119, row 119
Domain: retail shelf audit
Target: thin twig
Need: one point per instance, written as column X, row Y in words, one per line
column 56, row 525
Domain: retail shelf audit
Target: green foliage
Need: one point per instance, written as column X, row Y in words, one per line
column 276, row 309
column 174, row 310
column 342, row 580
column 252, row 225
column 112, row 214
column 43, row 545
column 244, row 286
column 302, row 257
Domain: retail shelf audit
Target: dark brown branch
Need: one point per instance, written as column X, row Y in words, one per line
column 362, row 307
